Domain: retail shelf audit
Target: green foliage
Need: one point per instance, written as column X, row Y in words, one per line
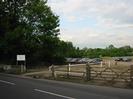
column 110, row 51
column 29, row 27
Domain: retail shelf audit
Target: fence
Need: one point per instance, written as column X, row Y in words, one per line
column 14, row 69
column 108, row 74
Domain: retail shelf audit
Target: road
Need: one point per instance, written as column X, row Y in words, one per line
column 17, row 87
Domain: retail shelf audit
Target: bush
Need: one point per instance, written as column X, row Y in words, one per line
column 14, row 71
column 1, row 69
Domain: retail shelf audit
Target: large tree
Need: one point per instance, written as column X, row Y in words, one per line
column 28, row 27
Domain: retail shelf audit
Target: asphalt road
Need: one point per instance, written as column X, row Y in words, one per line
column 16, row 87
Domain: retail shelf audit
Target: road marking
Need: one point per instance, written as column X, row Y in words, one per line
column 7, row 82
column 42, row 91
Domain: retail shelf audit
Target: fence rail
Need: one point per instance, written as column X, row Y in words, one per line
column 96, row 73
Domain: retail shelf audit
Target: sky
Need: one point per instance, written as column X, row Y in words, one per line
column 95, row 23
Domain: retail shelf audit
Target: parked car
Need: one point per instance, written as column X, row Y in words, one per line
column 95, row 61
column 125, row 59
column 118, row 59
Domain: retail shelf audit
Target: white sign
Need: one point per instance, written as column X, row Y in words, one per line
column 20, row 57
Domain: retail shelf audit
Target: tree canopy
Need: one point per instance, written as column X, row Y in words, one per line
column 28, row 27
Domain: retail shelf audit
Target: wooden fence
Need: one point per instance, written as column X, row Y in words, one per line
column 97, row 73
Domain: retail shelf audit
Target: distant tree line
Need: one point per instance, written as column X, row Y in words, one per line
column 30, row 27
column 109, row 51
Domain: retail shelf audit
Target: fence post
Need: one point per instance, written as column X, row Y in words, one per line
column 88, row 72
column 131, row 76
column 101, row 64
column 68, row 70
column 109, row 64
column 53, row 71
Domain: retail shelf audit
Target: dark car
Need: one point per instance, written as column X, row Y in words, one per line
column 118, row 59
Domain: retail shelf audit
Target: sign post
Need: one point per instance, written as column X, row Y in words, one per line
column 21, row 60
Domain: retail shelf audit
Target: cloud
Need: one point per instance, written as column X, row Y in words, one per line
column 95, row 23
column 91, row 38
column 106, row 12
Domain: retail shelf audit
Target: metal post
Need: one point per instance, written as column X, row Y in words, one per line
column 24, row 66
column 21, row 66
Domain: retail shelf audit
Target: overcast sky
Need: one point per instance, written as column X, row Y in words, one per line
column 95, row 23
